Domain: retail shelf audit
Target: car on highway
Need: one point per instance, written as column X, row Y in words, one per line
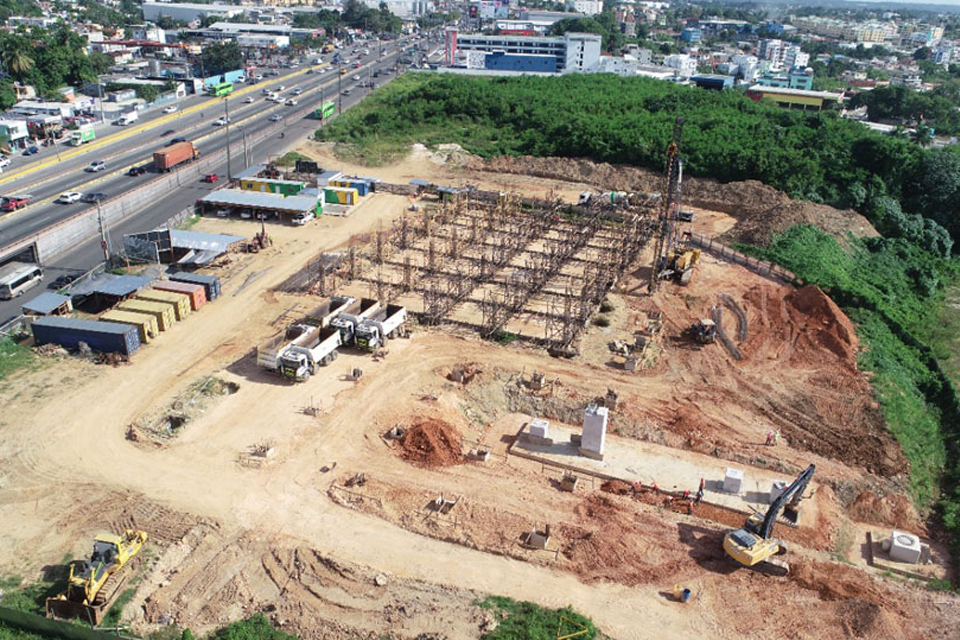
column 356, row 76
column 211, row 178
column 29, row 151
column 62, row 281
column 276, row 117
column 137, row 171
column 343, row 72
column 297, row 91
column 69, row 197
column 221, row 121
column 171, row 109
column 175, row 141
column 96, row 166
column 276, row 99
column 346, row 92
column 309, row 71
column 258, row 77
column 291, row 102
column 4, row 162
column 93, row 198
column 356, row 65
column 168, row 132
column 12, row 203
column 249, row 100
column 281, row 87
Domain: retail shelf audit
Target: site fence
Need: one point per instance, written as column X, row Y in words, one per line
column 756, row 265
column 51, row 628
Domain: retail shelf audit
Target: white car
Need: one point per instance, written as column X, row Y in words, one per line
column 297, row 91
column 276, row 117
column 4, row 162
column 291, row 103
column 96, row 166
column 281, row 88
column 222, row 121
column 69, row 197
column 356, row 77
column 258, row 77
column 276, row 99
column 171, row 109
column 248, row 100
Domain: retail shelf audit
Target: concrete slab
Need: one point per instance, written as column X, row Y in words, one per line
column 648, row 463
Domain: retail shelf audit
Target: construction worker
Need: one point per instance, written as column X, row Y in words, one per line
column 776, row 437
column 770, row 438
column 700, row 491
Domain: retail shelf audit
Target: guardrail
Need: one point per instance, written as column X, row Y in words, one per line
column 761, row 267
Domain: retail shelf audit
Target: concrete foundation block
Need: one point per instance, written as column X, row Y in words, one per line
column 733, row 480
column 539, row 428
column 905, row 547
column 594, row 429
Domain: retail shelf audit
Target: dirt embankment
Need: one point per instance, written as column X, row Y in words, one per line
column 761, row 211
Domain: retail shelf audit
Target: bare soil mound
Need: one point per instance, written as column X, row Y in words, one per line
column 432, row 443
column 894, row 510
column 825, row 326
column 761, row 211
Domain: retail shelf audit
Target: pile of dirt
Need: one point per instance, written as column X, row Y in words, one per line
column 432, row 443
column 835, row 581
column 826, row 326
column 617, row 487
column 895, row 510
column 761, row 211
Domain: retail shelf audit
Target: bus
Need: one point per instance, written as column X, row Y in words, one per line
column 17, row 277
column 325, row 111
column 222, row 89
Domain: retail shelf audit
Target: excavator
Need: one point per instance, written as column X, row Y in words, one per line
column 753, row 543
column 679, row 264
column 93, row 583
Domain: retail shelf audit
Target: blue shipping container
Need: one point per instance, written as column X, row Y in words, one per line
column 109, row 337
column 210, row 283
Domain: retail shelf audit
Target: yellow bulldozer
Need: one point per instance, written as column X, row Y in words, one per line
column 93, row 584
column 754, row 543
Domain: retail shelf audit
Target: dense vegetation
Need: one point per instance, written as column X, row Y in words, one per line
column 528, row 621
column 893, row 290
column 938, row 108
column 817, row 157
column 218, row 58
column 46, row 59
column 355, row 15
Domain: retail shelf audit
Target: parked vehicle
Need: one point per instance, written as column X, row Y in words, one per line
column 84, row 134
column 96, row 166
column 270, row 352
column 223, row 213
column 374, row 332
column 168, row 158
column 62, row 281
column 31, row 150
column 69, row 197
column 211, row 177
column 94, row 197
column 348, row 322
column 299, row 362
column 4, row 162
column 12, row 203
column 301, row 219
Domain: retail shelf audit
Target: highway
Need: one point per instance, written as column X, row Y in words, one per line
column 135, row 146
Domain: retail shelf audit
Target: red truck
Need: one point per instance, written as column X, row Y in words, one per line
column 12, row 203
column 167, row 159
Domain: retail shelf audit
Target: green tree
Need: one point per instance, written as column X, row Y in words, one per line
column 221, row 57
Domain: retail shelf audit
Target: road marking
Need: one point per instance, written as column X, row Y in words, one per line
column 131, row 131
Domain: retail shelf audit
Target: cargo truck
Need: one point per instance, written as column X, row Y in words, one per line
column 84, row 134
column 347, row 323
column 299, row 362
column 374, row 332
column 323, row 315
column 269, row 353
column 176, row 154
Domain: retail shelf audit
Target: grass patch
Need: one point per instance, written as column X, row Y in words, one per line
column 14, row 356
column 256, row 627
column 601, row 321
column 528, row 621
column 112, row 619
column 188, row 223
column 14, row 633
column 504, row 337
column 32, row 598
column 289, row 159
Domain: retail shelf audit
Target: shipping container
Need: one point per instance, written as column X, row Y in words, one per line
column 196, row 292
column 340, row 195
column 180, row 301
column 162, row 311
column 363, row 187
column 268, row 185
column 146, row 324
column 210, row 283
column 108, row 337
column 168, row 158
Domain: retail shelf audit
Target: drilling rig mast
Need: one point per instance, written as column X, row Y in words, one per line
column 667, row 231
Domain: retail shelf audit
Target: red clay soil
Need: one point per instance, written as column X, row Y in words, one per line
column 894, row 510
column 432, row 443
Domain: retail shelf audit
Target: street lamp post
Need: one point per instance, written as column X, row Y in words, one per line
column 339, row 87
column 226, row 112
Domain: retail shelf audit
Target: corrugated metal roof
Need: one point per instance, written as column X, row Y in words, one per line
column 46, row 302
column 417, row 182
column 121, row 285
column 273, row 181
column 85, row 325
column 255, row 199
column 249, row 172
column 203, row 241
column 326, row 176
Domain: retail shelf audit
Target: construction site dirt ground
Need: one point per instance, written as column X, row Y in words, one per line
column 337, row 532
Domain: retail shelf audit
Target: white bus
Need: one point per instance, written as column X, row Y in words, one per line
column 17, row 277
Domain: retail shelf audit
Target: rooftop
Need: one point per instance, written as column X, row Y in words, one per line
column 45, row 303
column 255, row 199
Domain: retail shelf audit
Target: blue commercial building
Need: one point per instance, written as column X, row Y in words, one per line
column 713, row 82
column 791, row 80
column 691, row 34
column 501, row 61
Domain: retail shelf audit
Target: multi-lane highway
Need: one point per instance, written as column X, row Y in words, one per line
column 194, row 121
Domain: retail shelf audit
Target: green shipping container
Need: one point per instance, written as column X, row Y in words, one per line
column 268, row 185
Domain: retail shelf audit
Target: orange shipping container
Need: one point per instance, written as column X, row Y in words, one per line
column 196, row 292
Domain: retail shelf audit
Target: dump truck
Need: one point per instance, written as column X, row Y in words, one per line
column 84, row 134
column 348, row 322
column 94, row 584
column 170, row 157
column 269, row 353
column 299, row 362
column 323, row 315
column 374, row 332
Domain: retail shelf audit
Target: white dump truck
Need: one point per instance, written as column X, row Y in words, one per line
column 298, row 363
column 348, row 322
column 374, row 332
column 269, row 353
column 324, row 314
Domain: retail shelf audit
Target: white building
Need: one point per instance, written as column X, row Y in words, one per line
column 404, row 9
column 747, row 67
column 942, row 55
column 772, row 51
column 793, row 56
column 573, row 52
column 683, row 64
column 586, row 7
column 31, row 21
column 263, row 41
column 620, row 65
column 144, row 32
column 188, row 12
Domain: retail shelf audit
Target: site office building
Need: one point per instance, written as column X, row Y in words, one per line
column 573, row 52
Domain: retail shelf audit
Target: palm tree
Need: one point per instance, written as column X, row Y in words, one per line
column 922, row 134
column 17, row 62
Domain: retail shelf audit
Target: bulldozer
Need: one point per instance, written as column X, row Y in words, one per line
column 678, row 265
column 754, row 543
column 704, row 331
column 93, row 583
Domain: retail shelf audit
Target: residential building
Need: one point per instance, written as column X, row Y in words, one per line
column 642, row 56
column 620, row 65
column 791, row 80
column 187, row 12
column 793, row 57
column 942, row 55
column 691, row 34
column 746, row 67
column 683, row 64
column 586, row 7
column 31, row 21
column 572, row 52
column 15, row 132
column 628, row 26
column 772, row 51
column 148, row 32
column 484, row 10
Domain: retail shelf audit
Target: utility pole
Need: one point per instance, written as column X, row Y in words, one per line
column 100, row 91
column 226, row 111
column 339, row 85
column 243, row 134
column 103, row 234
